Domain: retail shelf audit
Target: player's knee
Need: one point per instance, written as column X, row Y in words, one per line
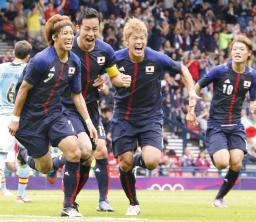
column 74, row 155
column 126, row 166
column 44, row 168
column 221, row 165
column 101, row 152
column 86, row 148
column 152, row 164
column 86, row 154
column 236, row 166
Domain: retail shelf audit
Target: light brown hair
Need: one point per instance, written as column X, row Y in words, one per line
column 54, row 25
column 243, row 39
column 134, row 25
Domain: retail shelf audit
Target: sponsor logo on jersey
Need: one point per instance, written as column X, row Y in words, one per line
column 101, row 60
column 150, row 69
column 247, row 84
column 227, row 81
column 121, row 69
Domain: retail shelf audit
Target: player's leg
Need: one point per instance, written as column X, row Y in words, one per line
column 124, row 139
column 85, row 161
column 4, row 191
column 24, row 159
column 127, row 178
column 71, row 175
column 101, row 157
column 10, row 166
column 23, row 174
column 63, row 136
column 221, row 160
column 237, row 144
column 7, row 153
column 85, row 147
column 102, row 175
column 236, row 158
column 218, row 150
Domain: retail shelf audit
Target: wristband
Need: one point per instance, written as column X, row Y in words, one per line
column 88, row 121
column 15, row 118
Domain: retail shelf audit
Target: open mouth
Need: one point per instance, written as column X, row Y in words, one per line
column 68, row 43
column 138, row 49
column 89, row 40
column 237, row 57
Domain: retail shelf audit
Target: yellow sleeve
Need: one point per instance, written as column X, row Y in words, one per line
column 112, row 71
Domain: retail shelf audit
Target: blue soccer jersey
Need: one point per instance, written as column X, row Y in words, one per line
column 49, row 77
column 142, row 101
column 9, row 76
column 229, row 90
column 93, row 64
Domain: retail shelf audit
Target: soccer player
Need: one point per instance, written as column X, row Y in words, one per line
column 137, row 118
column 38, row 119
column 10, row 73
column 225, row 132
column 97, row 57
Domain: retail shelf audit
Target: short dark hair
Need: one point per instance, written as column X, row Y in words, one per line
column 22, row 49
column 105, row 110
column 87, row 14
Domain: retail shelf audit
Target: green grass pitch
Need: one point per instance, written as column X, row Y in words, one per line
column 156, row 206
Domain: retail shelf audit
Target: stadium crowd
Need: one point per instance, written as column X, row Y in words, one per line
column 197, row 33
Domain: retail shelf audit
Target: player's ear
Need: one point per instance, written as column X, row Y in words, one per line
column 27, row 58
column 54, row 37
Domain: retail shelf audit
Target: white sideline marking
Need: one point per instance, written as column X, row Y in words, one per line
column 19, row 218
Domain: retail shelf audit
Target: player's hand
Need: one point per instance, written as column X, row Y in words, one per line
column 126, row 80
column 13, row 127
column 92, row 131
column 102, row 87
column 98, row 83
column 191, row 116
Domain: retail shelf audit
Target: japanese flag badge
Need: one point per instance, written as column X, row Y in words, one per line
column 101, row 60
column 150, row 69
column 71, row 70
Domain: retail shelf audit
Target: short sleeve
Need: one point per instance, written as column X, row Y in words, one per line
column 110, row 57
column 32, row 75
column 169, row 64
column 209, row 77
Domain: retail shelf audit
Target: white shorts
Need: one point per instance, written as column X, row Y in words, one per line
column 7, row 141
